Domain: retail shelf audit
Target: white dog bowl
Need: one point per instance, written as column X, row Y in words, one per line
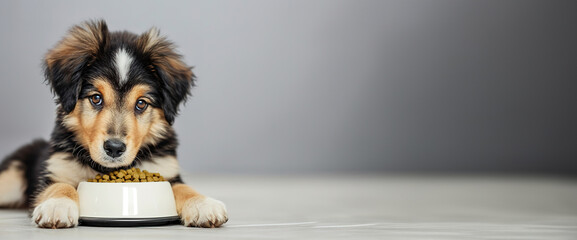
column 126, row 204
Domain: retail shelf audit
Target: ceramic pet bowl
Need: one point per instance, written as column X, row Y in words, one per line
column 126, row 204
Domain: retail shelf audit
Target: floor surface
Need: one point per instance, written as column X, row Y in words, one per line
column 359, row 207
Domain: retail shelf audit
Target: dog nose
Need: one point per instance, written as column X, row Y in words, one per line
column 114, row 147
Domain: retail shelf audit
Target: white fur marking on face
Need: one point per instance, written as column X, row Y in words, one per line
column 122, row 60
column 12, row 185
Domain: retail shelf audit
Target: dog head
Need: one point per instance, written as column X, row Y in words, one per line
column 117, row 92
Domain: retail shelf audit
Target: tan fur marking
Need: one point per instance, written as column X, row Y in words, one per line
column 144, row 128
column 157, row 127
column 137, row 92
column 57, row 190
column 137, row 129
column 12, row 185
column 182, row 193
column 98, row 125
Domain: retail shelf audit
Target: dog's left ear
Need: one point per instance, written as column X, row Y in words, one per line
column 176, row 77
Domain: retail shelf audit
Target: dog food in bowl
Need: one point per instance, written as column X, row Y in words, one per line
column 128, row 176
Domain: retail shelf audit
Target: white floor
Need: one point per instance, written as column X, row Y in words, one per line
column 359, row 207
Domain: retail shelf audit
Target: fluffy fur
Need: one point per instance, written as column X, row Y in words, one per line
column 118, row 94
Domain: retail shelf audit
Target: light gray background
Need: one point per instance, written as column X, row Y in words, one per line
column 335, row 86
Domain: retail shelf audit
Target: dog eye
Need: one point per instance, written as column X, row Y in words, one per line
column 96, row 100
column 141, row 105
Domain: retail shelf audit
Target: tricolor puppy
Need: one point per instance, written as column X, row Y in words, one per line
column 117, row 94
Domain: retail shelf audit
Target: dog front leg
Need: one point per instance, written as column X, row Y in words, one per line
column 57, row 207
column 197, row 210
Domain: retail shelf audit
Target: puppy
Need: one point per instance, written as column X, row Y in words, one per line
column 117, row 96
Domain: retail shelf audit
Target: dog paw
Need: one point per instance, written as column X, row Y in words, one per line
column 56, row 213
column 204, row 212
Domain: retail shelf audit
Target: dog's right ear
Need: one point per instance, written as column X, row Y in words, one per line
column 65, row 63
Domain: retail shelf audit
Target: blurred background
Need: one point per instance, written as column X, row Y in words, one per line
column 317, row 87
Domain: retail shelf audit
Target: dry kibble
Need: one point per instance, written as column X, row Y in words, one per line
column 127, row 176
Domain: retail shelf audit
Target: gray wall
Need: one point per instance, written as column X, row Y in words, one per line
column 336, row 86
